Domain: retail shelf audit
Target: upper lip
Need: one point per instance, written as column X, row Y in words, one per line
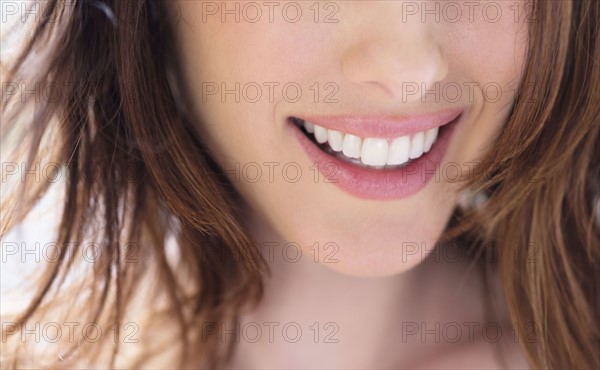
column 383, row 126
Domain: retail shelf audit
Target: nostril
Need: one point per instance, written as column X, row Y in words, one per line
column 386, row 65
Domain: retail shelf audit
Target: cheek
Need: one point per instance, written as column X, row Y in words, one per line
column 487, row 54
column 238, row 72
column 489, row 50
column 242, row 51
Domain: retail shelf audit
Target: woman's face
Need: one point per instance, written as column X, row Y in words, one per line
column 373, row 187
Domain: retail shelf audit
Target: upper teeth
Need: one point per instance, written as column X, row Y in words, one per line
column 375, row 151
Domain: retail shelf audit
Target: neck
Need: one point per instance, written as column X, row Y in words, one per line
column 312, row 315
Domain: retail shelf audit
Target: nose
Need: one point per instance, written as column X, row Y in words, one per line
column 394, row 57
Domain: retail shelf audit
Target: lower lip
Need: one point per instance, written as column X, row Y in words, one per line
column 383, row 184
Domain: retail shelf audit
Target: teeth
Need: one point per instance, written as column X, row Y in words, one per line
column 336, row 140
column 416, row 145
column 352, row 145
column 375, row 152
column 320, row 134
column 399, row 151
column 309, row 127
column 430, row 136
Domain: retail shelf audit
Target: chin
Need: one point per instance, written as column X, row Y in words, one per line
column 377, row 254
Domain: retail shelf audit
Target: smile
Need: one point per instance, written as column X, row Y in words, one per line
column 377, row 157
column 374, row 152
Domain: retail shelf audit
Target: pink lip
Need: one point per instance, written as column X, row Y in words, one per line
column 383, row 184
column 383, row 126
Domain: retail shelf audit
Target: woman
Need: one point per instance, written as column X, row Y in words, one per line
column 388, row 184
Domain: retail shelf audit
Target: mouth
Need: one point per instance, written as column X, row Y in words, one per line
column 376, row 158
column 370, row 152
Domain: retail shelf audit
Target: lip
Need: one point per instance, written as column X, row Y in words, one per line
column 383, row 126
column 380, row 184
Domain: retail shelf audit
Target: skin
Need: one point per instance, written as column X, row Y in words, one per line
column 370, row 55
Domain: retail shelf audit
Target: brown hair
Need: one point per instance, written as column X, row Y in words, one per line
column 139, row 176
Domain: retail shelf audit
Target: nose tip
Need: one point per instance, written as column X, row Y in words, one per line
column 391, row 65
